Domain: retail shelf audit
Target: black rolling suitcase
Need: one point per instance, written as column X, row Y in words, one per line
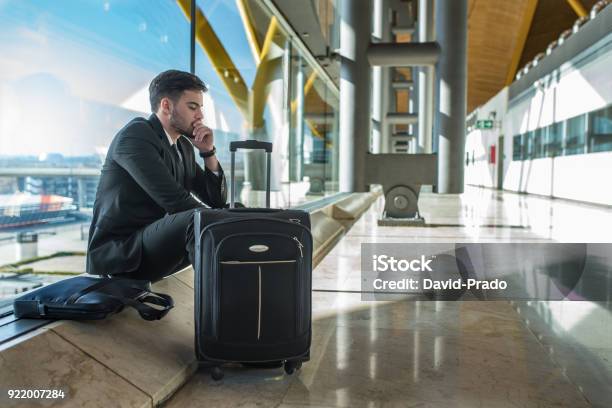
column 253, row 278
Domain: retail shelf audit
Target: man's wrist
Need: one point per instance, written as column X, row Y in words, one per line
column 215, row 167
column 209, row 153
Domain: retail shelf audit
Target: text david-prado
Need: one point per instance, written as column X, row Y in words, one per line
column 384, row 263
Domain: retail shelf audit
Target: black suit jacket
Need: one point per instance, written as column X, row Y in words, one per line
column 138, row 186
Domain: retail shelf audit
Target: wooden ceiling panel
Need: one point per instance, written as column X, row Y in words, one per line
column 550, row 19
column 505, row 35
column 493, row 33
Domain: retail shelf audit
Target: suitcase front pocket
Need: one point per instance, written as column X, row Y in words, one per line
column 238, row 314
column 278, row 302
column 257, row 301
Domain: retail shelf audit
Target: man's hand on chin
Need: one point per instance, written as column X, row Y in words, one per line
column 203, row 140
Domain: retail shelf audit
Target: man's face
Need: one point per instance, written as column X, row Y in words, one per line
column 186, row 112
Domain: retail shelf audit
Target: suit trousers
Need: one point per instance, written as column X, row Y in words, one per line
column 167, row 247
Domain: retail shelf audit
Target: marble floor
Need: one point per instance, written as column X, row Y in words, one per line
column 409, row 353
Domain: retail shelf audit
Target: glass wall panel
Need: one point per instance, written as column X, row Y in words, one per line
column 262, row 88
column 549, row 141
column 72, row 73
column 320, row 145
column 517, row 148
column 575, row 135
column 554, row 140
column 244, row 102
column 528, row 146
column 538, row 143
column 600, row 130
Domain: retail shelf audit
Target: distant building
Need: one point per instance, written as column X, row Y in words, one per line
column 81, row 189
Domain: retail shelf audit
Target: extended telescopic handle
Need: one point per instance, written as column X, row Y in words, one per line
column 249, row 144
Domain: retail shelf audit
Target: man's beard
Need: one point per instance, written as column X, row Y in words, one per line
column 177, row 122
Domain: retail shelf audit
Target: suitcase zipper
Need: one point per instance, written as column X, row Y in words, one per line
column 251, row 219
column 259, row 304
column 297, row 242
column 300, row 246
column 256, row 262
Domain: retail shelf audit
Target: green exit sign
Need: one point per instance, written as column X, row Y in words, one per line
column 484, row 124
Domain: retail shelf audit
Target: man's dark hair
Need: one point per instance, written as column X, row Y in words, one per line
column 171, row 84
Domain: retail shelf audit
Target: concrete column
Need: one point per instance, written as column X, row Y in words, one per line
column 413, row 104
column 403, row 54
column 355, row 76
column 414, row 93
column 425, row 79
column 296, row 143
column 451, row 31
column 377, row 114
column 81, row 192
column 380, row 78
column 385, row 99
column 388, row 94
column 335, row 167
column 391, row 107
column 404, row 12
column 27, row 245
column 377, row 118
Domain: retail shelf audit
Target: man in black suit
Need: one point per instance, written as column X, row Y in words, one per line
column 142, row 225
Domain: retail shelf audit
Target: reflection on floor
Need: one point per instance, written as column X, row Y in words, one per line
column 437, row 354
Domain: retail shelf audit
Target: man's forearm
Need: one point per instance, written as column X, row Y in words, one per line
column 212, row 163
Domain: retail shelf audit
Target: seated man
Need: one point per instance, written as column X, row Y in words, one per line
column 142, row 225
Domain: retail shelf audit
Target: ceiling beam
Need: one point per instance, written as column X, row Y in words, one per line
column 521, row 38
column 578, row 8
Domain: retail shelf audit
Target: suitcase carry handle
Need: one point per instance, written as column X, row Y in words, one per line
column 249, row 144
column 254, row 210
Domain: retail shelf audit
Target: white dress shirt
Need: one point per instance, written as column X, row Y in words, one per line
column 173, row 142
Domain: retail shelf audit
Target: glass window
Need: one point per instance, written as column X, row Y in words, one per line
column 517, row 147
column 575, row 135
column 528, row 146
column 321, row 121
column 84, row 69
column 72, row 73
column 600, row 130
column 262, row 88
column 554, row 140
column 538, row 143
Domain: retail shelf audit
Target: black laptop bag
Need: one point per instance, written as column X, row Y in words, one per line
column 253, row 277
column 92, row 298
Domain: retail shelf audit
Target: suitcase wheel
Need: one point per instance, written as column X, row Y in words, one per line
column 291, row 366
column 216, row 373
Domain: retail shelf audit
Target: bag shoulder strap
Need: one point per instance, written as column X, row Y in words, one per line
column 148, row 312
column 91, row 288
column 115, row 289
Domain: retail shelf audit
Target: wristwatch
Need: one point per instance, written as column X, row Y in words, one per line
column 210, row 153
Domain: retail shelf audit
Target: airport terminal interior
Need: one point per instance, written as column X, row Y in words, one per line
column 477, row 128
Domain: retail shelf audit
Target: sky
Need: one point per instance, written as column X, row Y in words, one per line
column 73, row 72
